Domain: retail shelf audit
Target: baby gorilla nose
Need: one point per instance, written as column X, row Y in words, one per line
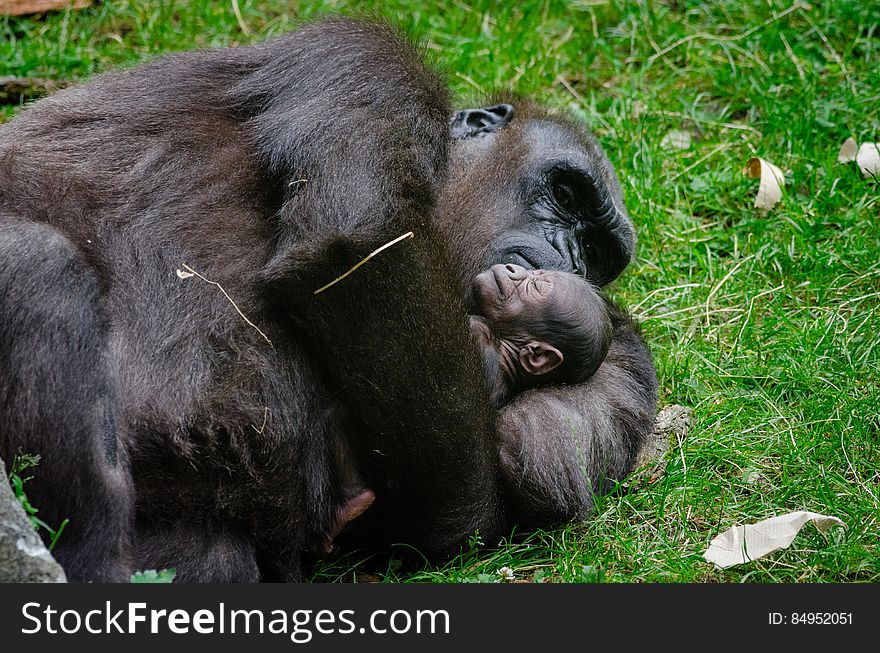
column 508, row 277
column 511, row 270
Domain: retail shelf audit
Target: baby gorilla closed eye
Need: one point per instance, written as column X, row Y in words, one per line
column 537, row 328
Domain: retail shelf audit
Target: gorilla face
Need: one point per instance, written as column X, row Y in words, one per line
column 556, row 206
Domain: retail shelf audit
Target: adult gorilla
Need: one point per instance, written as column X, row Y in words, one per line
column 172, row 431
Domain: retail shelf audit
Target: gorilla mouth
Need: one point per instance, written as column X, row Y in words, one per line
column 486, row 291
column 521, row 259
column 528, row 250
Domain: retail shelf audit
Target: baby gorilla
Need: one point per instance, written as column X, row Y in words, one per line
column 537, row 327
column 533, row 328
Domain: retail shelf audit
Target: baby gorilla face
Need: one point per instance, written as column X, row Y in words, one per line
column 540, row 322
column 510, row 296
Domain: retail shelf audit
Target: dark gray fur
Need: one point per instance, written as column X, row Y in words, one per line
column 562, row 446
column 171, row 433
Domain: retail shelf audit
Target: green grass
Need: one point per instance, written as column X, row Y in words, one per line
column 21, row 470
column 765, row 324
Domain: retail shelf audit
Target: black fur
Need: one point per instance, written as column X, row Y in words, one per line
column 173, row 433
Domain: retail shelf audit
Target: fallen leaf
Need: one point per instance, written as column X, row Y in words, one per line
column 772, row 181
column 676, row 139
column 741, row 544
column 755, row 478
column 22, row 7
column 868, row 159
column 848, row 151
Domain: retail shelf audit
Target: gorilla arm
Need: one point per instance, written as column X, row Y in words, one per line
column 393, row 335
column 563, row 445
column 394, row 339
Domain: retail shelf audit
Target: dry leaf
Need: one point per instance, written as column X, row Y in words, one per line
column 741, row 544
column 868, row 159
column 848, row 151
column 184, row 275
column 676, row 139
column 772, row 181
column 22, row 7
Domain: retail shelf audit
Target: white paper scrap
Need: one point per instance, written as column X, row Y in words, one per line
column 741, row 544
column 772, row 181
column 868, row 159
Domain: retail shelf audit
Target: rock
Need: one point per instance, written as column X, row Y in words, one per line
column 23, row 556
column 18, row 89
column 670, row 427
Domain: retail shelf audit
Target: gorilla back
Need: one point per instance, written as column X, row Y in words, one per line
column 173, row 433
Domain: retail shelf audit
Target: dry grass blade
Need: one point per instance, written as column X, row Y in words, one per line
column 188, row 272
column 240, row 20
column 408, row 234
column 726, row 38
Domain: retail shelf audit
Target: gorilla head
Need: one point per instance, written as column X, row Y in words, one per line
column 542, row 189
column 537, row 328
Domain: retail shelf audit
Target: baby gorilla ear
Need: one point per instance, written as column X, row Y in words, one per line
column 538, row 358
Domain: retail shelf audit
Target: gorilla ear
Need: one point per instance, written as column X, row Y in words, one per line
column 539, row 358
column 477, row 122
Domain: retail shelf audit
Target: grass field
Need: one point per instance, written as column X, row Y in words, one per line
column 765, row 324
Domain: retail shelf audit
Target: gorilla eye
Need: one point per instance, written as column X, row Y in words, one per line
column 587, row 250
column 567, row 191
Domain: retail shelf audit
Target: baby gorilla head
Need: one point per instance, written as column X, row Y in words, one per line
column 538, row 327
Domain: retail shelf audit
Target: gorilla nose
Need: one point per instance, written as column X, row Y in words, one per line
column 566, row 244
